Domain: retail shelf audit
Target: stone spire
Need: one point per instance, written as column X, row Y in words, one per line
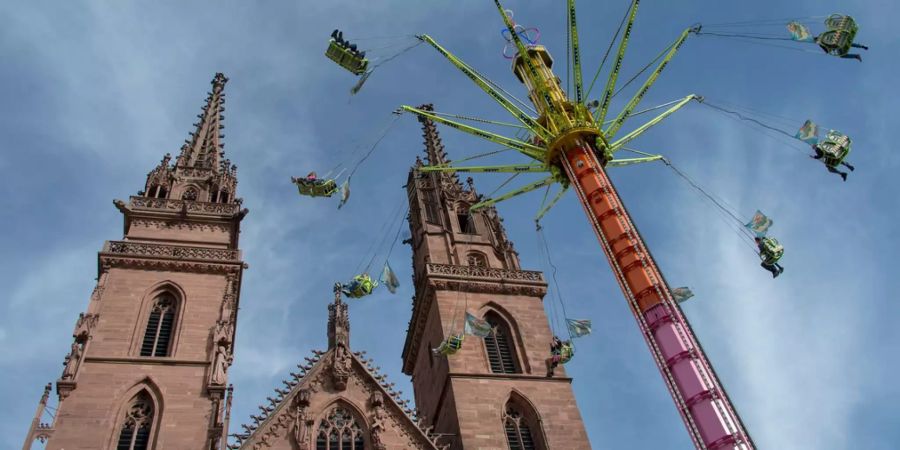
column 434, row 148
column 204, row 149
column 201, row 172
column 435, row 154
column 338, row 321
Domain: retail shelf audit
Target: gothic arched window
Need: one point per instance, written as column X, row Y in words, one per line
column 466, row 221
column 432, row 206
column 135, row 431
column 189, row 194
column 157, row 191
column 520, row 432
column 476, row 259
column 339, row 430
column 160, row 326
column 499, row 344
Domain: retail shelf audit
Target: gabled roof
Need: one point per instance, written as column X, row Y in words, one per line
column 329, row 376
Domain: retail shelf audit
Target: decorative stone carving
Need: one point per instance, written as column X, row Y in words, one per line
column 73, row 361
column 223, row 335
column 487, row 273
column 378, row 421
column 341, row 367
column 158, row 224
column 164, row 204
column 84, row 327
column 488, row 288
column 223, row 332
column 171, row 265
column 221, row 362
column 170, row 251
column 303, row 422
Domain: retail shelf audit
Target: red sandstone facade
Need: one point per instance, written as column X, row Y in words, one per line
column 149, row 359
column 481, row 397
column 151, row 352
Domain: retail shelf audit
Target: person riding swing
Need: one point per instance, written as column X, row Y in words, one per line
column 770, row 251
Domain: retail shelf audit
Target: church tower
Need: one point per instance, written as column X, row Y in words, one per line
column 495, row 392
column 149, row 358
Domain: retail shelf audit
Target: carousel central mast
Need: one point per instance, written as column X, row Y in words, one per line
column 578, row 146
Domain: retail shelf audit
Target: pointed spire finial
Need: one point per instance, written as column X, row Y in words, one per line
column 434, row 148
column 338, row 321
column 203, row 149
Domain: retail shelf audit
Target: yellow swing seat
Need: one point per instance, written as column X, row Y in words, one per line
column 361, row 286
column 566, row 352
column 835, row 147
column 451, row 345
column 839, row 38
column 772, row 251
column 346, row 58
column 318, row 188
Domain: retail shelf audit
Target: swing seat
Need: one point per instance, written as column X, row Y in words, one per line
column 565, row 352
column 451, row 345
column 318, row 188
column 835, row 147
column 360, row 286
column 345, row 58
column 772, row 251
column 839, row 38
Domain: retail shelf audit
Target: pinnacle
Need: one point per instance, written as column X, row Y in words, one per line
column 203, row 149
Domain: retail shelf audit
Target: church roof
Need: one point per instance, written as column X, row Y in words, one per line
column 328, row 377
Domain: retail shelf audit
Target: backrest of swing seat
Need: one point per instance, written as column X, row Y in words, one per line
column 335, row 52
column 357, row 65
column 837, row 41
column 842, row 23
column 833, row 154
column 455, row 341
column 835, row 146
column 345, row 58
column 328, row 188
column 772, row 245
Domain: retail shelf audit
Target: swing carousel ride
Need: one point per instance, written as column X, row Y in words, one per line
column 573, row 142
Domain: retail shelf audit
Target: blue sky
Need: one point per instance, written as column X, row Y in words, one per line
column 94, row 93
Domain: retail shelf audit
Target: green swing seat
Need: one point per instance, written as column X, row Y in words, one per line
column 361, row 286
column 835, row 147
column 566, row 352
column 318, row 188
column 771, row 251
column 839, row 38
column 346, row 58
column 451, row 345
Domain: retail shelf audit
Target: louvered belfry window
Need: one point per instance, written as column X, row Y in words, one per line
column 432, row 206
column 339, row 431
column 518, row 434
column 160, row 327
column 499, row 345
column 135, row 432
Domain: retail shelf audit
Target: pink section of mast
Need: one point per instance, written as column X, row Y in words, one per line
column 706, row 409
